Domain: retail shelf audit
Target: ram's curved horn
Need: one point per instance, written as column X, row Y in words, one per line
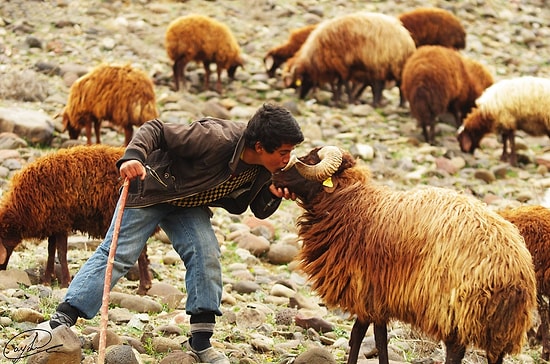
column 291, row 162
column 331, row 158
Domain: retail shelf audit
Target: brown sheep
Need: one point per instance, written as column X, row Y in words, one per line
column 431, row 257
column 533, row 223
column 513, row 104
column 364, row 48
column 123, row 95
column 434, row 26
column 74, row 189
column 202, row 39
column 278, row 55
column 437, row 79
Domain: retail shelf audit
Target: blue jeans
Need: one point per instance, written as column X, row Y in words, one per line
column 192, row 236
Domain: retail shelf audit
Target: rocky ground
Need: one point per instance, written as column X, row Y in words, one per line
column 46, row 45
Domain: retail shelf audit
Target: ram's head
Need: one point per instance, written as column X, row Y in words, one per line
column 306, row 176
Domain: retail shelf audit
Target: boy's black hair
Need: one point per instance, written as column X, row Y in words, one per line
column 272, row 126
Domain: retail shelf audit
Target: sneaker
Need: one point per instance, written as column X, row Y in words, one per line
column 208, row 355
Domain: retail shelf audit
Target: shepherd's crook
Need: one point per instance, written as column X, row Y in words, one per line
column 109, row 273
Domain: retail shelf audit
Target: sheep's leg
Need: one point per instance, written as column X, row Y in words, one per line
column 544, row 312
column 377, row 88
column 5, row 254
column 206, row 75
column 49, row 274
column 57, row 243
column 508, row 137
column 455, row 351
column 381, row 340
column 359, row 92
column 178, row 70
column 145, row 279
column 402, row 99
column 128, row 133
column 61, row 245
column 513, row 155
column 498, row 360
column 97, row 130
column 358, row 332
column 219, row 80
column 428, row 130
column 175, row 75
column 349, row 91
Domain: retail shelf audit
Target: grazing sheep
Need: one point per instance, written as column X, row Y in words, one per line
column 74, row 189
column 533, row 223
column 513, row 104
column 123, row 95
column 437, row 79
column 434, row 26
column 276, row 56
column 364, row 48
column 202, row 39
column 431, row 257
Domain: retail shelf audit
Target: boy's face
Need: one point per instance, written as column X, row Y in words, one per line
column 278, row 159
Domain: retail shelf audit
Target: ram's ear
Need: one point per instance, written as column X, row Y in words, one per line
column 330, row 184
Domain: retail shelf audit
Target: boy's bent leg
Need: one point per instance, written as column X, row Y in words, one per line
column 86, row 289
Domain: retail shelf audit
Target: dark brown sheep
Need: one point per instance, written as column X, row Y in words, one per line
column 123, row 95
column 434, row 26
column 533, row 223
column 437, row 79
column 278, row 55
column 431, row 257
column 74, row 189
column 202, row 39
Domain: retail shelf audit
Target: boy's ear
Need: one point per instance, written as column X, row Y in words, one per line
column 258, row 147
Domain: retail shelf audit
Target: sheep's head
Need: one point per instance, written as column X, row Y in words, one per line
column 239, row 62
column 272, row 61
column 469, row 135
column 306, row 176
column 74, row 133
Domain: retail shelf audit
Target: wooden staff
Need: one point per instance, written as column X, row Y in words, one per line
column 109, row 274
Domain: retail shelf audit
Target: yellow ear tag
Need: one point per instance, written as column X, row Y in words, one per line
column 298, row 83
column 328, row 182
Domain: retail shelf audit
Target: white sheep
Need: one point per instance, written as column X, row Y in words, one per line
column 508, row 105
column 431, row 257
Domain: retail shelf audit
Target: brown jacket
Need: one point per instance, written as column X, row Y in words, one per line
column 185, row 159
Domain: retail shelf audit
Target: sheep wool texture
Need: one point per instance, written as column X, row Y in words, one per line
column 438, row 79
column 513, row 104
column 203, row 40
column 123, row 95
column 434, row 26
column 533, row 223
column 363, row 47
column 431, row 257
column 72, row 189
column 33, row 206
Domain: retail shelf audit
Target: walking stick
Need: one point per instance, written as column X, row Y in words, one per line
column 109, row 273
